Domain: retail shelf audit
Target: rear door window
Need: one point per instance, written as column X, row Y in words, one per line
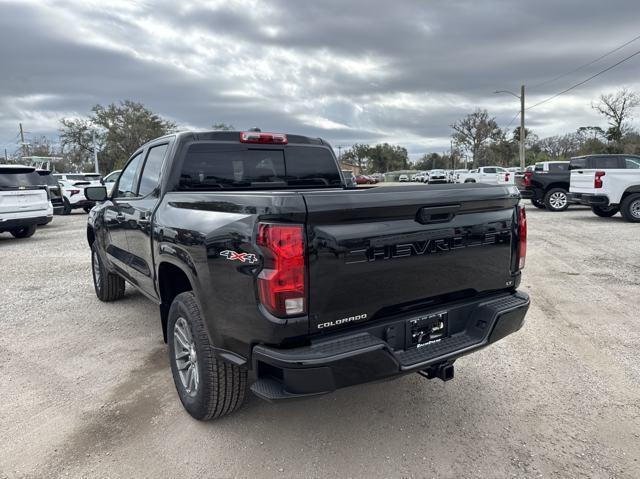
column 489, row 170
column 555, row 167
column 606, row 162
column 150, row 176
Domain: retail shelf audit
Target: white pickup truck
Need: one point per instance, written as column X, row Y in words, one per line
column 492, row 175
column 607, row 183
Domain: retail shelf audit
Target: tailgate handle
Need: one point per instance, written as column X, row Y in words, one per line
column 436, row 214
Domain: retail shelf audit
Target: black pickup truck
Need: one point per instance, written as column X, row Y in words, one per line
column 261, row 259
column 547, row 185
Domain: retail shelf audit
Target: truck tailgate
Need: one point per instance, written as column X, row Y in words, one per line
column 582, row 181
column 383, row 251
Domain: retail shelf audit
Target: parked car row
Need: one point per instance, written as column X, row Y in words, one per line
column 607, row 183
column 29, row 197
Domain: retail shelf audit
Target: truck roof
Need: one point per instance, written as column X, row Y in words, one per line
column 224, row 135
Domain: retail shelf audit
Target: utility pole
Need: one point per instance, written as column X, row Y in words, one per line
column 23, row 145
column 522, row 133
column 95, row 152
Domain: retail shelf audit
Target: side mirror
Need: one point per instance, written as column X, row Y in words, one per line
column 96, row 193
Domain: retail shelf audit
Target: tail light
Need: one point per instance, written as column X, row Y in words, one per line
column 259, row 137
column 527, row 178
column 282, row 283
column 506, row 177
column 597, row 182
column 73, row 192
column 522, row 237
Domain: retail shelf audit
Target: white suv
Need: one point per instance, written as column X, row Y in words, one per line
column 24, row 202
column 73, row 185
column 607, row 183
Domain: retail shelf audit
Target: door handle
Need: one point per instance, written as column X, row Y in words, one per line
column 120, row 217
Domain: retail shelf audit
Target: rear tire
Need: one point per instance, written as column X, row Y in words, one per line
column 538, row 204
column 630, row 208
column 556, row 200
column 24, row 232
column 604, row 211
column 109, row 286
column 208, row 386
column 66, row 210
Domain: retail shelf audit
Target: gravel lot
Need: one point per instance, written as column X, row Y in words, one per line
column 86, row 390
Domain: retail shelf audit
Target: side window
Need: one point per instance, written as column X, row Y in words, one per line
column 607, row 163
column 489, row 170
column 151, row 172
column 538, row 167
column 126, row 186
column 558, row 166
column 632, row 163
column 578, row 164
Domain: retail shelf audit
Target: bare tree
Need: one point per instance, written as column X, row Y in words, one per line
column 617, row 109
column 474, row 131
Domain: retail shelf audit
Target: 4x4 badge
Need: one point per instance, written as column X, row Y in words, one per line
column 242, row 257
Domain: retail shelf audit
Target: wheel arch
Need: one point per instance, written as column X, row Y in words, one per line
column 91, row 236
column 558, row 184
column 629, row 191
column 172, row 280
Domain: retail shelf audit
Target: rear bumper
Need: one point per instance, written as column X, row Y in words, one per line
column 12, row 224
column 589, row 199
column 371, row 353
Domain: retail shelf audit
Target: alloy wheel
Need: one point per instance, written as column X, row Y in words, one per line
column 186, row 357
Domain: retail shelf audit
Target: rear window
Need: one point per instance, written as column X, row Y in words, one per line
column 11, row 178
column 220, row 166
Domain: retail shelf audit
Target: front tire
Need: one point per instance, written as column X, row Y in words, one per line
column 604, row 211
column 24, row 232
column 108, row 286
column 630, row 208
column 538, row 204
column 208, row 386
column 556, row 200
column 87, row 208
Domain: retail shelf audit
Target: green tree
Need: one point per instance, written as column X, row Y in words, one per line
column 357, row 155
column 385, row 157
column 119, row 129
column 473, row 132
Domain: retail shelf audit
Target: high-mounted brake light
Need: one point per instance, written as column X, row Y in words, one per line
column 527, row 178
column 281, row 283
column 259, row 137
column 522, row 237
column 597, row 182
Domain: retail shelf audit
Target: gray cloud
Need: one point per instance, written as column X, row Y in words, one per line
column 346, row 71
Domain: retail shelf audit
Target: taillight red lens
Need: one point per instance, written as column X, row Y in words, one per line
column 527, row 178
column 258, row 137
column 597, row 182
column 282, row 283
column 506, row 177
column 522, row 237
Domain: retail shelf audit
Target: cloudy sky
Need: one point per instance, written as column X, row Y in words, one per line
column 348, row 71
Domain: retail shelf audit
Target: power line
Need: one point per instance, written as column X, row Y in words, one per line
column 512, row 120
column 546, row 82
column 584, row 81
